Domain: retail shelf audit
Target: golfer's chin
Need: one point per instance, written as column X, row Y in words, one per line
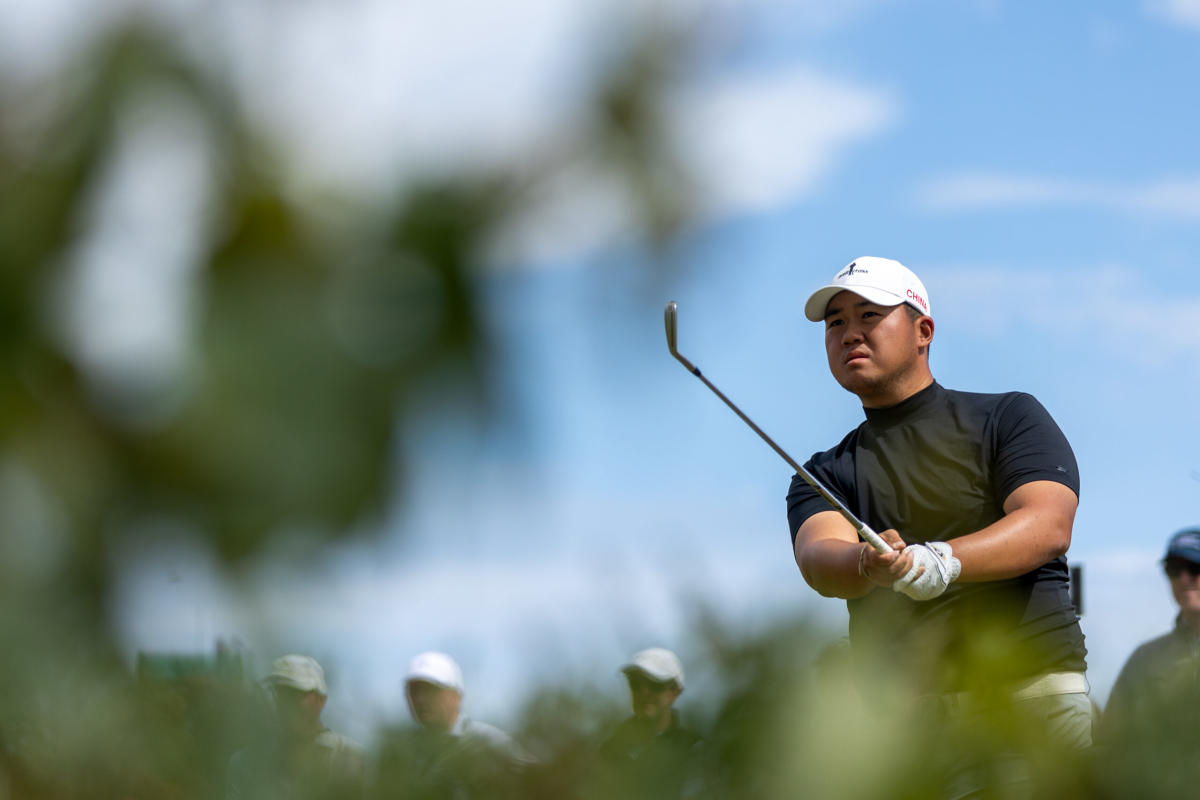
column 857, row 378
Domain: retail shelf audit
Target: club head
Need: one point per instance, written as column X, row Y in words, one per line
column 670, row 316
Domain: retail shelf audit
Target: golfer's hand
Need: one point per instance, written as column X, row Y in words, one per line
column 934, row 567
column 884, row 569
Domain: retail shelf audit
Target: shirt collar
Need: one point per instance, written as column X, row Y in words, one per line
column 906, row 408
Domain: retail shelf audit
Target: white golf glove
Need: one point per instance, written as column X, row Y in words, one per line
column 941, row 569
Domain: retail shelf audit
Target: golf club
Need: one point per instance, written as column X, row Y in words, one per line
column 671, row 315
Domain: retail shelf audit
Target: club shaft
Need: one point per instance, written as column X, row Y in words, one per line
column 863, row 529
column 670, row 317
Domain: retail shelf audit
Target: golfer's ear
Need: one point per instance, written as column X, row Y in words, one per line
column 925, row 330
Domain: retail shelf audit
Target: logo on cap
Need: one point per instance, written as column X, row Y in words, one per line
column 848, row 271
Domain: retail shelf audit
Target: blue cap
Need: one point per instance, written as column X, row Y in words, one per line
column 1185, row 545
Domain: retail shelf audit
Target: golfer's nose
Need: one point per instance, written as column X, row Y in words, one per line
column 851, row 333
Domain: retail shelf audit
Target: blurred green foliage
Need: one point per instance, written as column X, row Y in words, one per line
column 311, row 326
column 316, row 319
column 304, row 348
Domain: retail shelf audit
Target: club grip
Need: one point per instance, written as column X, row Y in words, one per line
column 872, row 538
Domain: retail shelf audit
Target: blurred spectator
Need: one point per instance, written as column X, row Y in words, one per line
column 651, row 754
column 1164, row 670
column 447, row 755
column 303, row 759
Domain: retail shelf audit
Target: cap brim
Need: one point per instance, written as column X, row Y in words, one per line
column 654, row 676
column 436, row 681
column 814, row 309
column 291, row 683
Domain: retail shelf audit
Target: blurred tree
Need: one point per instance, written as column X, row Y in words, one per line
column 309, row 327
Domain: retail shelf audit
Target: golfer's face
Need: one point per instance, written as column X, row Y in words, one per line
column 868, row 345
column 651, row 698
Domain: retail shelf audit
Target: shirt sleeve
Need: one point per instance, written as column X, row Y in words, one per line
column 835, row 470
column 1031, row 447
column 802, row 502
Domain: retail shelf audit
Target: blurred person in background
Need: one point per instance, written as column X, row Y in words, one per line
column 1165, row 670
column 447, row 754
column 651, row 754
column 1148, row 732
column 303, row 759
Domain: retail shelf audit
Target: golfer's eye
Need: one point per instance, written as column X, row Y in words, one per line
column 832, row 323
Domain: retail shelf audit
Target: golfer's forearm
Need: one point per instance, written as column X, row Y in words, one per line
column 1014, row 545
column 831, row 567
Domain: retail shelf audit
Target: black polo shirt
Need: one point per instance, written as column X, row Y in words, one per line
column 936, row 466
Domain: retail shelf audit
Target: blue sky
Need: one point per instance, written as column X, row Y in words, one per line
column 1034, row 163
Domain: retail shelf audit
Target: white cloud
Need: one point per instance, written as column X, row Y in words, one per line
column 755, row 141
column 1181, row 12
column 425, row 88
column 997, row 298
column 1175, row 198
column 378, row 93
column 974, row 191
column 747, row 143
column 376, row 89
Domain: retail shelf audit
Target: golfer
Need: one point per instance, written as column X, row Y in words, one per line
column 976, row 493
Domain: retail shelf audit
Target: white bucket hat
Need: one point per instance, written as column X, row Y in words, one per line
column 880, row 280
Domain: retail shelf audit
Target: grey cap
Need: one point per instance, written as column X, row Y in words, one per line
column 1185, row 545
column 302, row 673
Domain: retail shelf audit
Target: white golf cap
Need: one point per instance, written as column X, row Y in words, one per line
column 658, row 664
column 880, row 280
column 302, row 673
column 435, row 667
